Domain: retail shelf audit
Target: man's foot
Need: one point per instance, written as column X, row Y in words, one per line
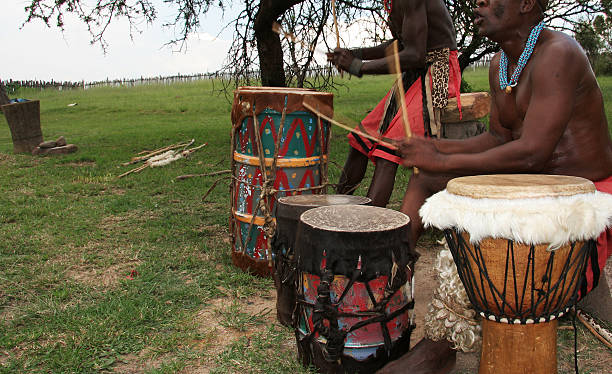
column 427, row 357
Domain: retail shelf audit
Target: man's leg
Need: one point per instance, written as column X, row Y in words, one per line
column 382, row 183
column 427, row 356
column 420, row 187
column 353, row 172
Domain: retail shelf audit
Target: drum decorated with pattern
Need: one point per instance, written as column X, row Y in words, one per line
column 278, row 149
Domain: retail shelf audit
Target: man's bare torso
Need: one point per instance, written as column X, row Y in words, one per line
column 440, row 29
column 585, row 148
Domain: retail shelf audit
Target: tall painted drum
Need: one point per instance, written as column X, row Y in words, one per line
column 288, row 212
column 278, row 149
column 354, row 288
column 520, row 243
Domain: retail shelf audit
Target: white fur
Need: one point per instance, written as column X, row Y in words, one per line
column 164, row 158
column 551, row 220
column 450, row 314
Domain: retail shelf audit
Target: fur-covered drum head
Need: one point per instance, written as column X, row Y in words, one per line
column 354, row 288
column 520, row 242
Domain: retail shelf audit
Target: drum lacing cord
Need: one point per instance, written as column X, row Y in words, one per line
column 463, row 256
column 575, row 340
column 324, row 309
column 267, row 187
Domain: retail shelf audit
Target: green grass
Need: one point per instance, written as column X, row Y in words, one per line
column 71, row 233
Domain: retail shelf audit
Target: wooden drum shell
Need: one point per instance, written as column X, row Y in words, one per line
column 298, row 157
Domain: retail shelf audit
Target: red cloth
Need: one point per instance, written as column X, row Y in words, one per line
column 414, row 107
column 604, row 243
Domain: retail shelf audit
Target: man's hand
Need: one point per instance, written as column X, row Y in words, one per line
column 345, row 60
column 421, row 153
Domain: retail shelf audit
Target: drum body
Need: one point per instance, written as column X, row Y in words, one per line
column 354, row 288
column 278, row 149
column 288, row 212
column 521, row 257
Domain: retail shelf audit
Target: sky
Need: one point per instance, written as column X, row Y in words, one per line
column 36, row 52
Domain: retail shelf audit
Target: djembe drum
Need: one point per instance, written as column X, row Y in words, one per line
column 288, row 212
column 354, row 288
column 278, row 149
column 520, row 243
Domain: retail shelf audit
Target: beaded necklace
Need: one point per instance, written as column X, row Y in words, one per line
column 503, row 61
column 388, row 5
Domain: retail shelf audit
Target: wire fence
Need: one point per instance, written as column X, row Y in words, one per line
column 12, row 86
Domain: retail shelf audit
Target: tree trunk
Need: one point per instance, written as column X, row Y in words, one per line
column 269, row 43
column 24, row 122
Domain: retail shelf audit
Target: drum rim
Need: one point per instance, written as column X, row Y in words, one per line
column 357, row 200
column 281, row 91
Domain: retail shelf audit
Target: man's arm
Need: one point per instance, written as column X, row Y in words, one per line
column 413, row 41
column 553, row 84
column 413, row 48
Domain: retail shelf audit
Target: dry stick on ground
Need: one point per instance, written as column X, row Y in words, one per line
column 395, row 68
column 181, row 177
column 592, row 330
column 360, row 133
column 136, row 160
column 163, row 159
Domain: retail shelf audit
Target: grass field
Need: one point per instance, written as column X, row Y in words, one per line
column 99, row 274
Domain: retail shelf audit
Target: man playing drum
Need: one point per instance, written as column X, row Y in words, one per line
column 428, row 58
column 547, row 116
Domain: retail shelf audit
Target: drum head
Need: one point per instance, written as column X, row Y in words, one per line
column 348, row 234
column 354, row 218
column 518, row 186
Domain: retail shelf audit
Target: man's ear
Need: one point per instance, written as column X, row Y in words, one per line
column 527, row 5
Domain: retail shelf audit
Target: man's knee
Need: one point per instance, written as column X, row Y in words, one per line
column 428, row 183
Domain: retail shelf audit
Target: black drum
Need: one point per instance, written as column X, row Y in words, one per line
column 354, row 288
column 288, row 211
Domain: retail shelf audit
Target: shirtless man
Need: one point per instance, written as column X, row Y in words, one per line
column 426, row 36
column 551, row 122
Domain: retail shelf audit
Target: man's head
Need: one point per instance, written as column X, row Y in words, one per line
column 495, row 18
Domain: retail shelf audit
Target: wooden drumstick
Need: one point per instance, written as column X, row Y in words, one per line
column 333, row 4
column 360, row 133
column 276, row 27
column 395, row 68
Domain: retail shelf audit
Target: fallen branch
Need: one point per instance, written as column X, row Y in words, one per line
column 599, row 332
column 181, row 177
column 213, row 187
column 136, row 160
column 164, row 158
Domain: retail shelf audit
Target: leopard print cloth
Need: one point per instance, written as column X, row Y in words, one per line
column 439, row 68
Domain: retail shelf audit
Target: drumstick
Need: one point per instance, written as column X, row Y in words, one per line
column 276, row 27
column 360, row 133
column 333, row 4
column 394, row 66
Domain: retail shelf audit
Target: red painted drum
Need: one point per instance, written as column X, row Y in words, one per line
column 278, row 149
column 354, row 288
column 288, row 212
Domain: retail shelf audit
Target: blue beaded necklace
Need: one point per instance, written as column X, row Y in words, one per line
column 503, row 61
